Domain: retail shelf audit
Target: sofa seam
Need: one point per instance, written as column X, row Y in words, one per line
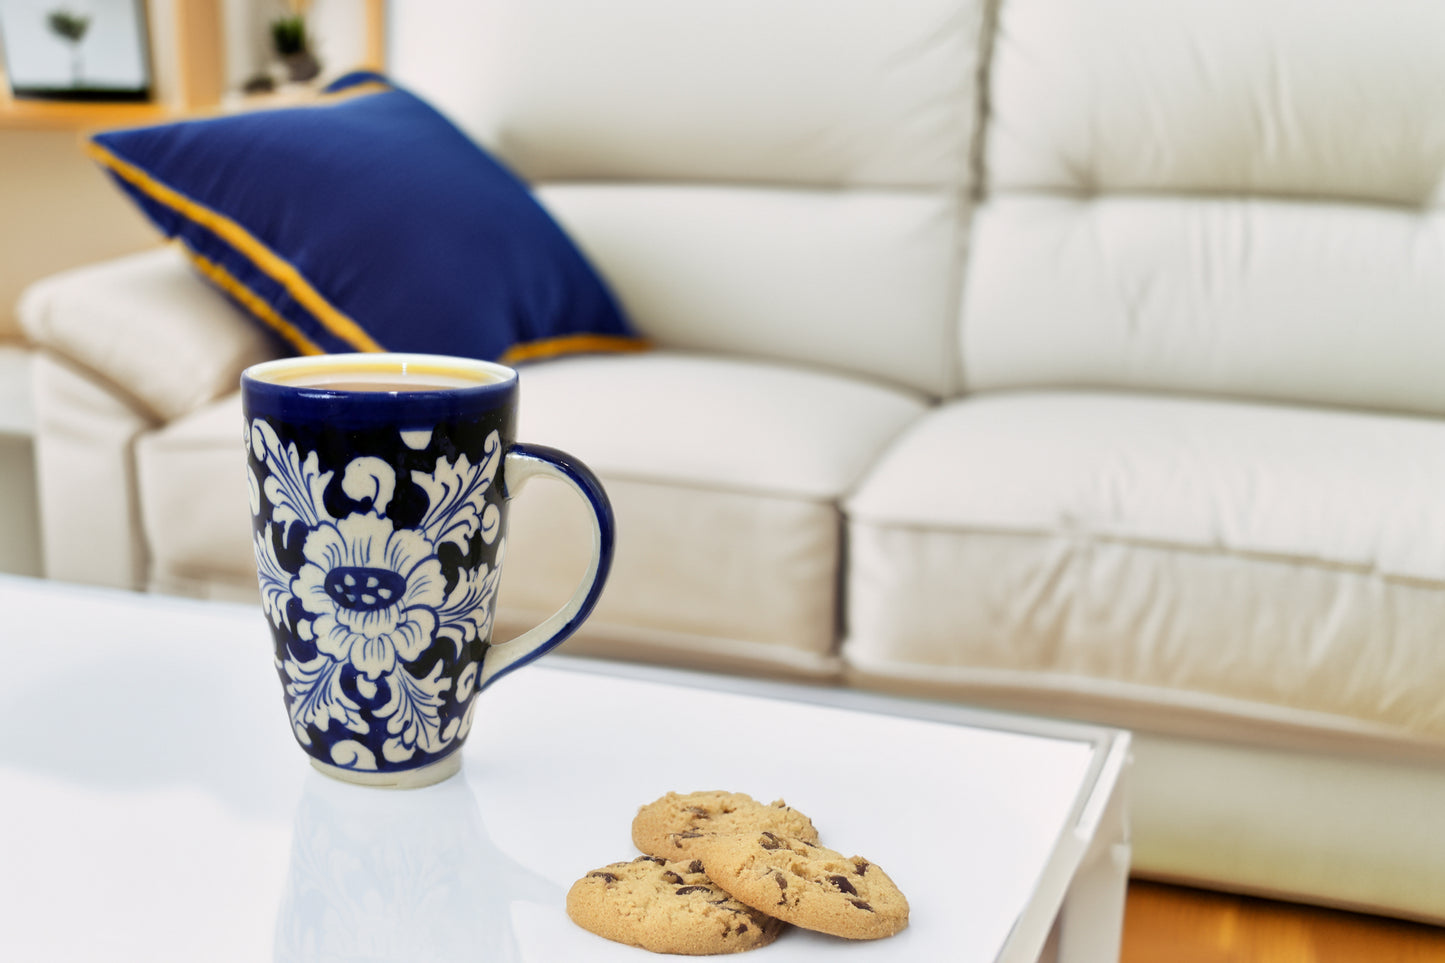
column 834, row 501
column 970, row 195
column 1206, row 705
column 1199, row 195
column 1132, row 541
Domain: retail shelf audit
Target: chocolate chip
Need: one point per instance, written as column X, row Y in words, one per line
column 742, row 927
column 695, row 866
column 684, row 890
column 861, row 866
column 689, row 834
column 780, row 879
column 861, row 905
column 842, row 883
column 769, row 841
column 671, row 877
column 607, row 877
column 699, row 812
column 650, row 859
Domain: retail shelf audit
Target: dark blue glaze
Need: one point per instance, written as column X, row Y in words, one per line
column 379, row 521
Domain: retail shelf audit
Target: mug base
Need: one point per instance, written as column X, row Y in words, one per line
column 428, row 775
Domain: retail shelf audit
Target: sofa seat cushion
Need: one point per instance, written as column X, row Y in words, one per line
column 693, row 419
column 1211, row 559
column 725, row 477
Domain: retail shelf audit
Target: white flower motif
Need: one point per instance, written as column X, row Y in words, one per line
column 274, row 580
column 255, row 491
column 457, row 497
column 467, row 719
column 414, row 715
column 370, row 478
column 467, row 614
column 350, row 754
column 295, row 486
column 373, row 590
column 466, row 682
column 317, row 697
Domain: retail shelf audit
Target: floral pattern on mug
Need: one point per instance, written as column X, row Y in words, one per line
column 371, row 596
column 373, row 590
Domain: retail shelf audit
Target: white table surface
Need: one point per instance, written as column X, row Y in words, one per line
column 155, row 806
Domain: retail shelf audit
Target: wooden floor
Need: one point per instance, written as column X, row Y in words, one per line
column 1172, row 924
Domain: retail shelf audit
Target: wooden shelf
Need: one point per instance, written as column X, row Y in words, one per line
column 198, row 29
column 61, row 115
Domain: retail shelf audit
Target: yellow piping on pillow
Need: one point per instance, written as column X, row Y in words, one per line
column 571, row 343
column 266, row 260
column 253, row 302
column 346, row 93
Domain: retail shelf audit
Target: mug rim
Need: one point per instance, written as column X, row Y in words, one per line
column 260, row 375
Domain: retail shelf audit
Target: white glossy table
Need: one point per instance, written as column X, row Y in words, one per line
column 155, row 806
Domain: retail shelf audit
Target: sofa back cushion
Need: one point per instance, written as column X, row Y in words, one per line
column 776, row 178
column 1221, row 196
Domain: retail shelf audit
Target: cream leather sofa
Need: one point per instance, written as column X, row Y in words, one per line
column 1077, row 358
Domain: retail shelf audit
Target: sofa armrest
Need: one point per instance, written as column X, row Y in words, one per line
column 90, row 525
column 150, row 327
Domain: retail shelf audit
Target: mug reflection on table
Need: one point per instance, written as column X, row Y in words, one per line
column 379, row 487
column 376, row 876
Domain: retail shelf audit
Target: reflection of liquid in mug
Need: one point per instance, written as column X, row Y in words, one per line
column 399, row 876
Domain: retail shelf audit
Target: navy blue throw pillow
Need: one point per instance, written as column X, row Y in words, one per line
column 366, row 221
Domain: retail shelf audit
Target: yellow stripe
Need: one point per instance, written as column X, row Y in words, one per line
column 266, row 260
column 572, row 343
column 281, row 102
column 253, row 302
column 260, row 105
column 359, row 90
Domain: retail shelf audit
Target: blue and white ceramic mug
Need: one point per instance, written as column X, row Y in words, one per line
column 379, row 488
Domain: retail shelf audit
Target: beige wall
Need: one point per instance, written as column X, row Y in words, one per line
column 57, row 210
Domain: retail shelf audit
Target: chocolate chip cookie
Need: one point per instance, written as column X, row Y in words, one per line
column 670, row 826
column 667, row 907
column 803, row 883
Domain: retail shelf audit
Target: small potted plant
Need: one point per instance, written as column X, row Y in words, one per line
column 292, row 43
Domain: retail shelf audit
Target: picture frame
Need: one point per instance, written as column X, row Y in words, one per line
column 77, row 50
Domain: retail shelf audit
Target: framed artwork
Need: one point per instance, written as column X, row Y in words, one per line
column 76, row 49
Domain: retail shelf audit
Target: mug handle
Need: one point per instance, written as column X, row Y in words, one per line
column 521, row 463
